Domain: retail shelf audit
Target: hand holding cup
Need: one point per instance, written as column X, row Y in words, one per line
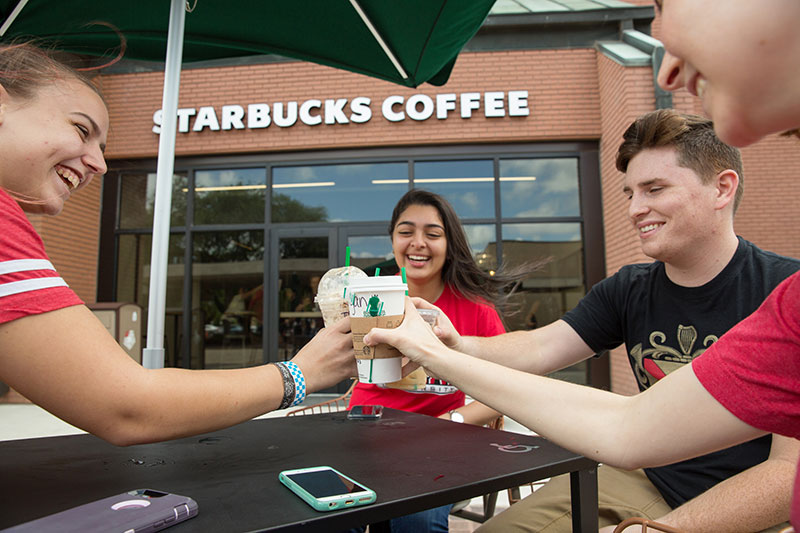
column 414, row 337
column 442, row 326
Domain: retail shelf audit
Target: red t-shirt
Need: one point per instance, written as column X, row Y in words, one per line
column 469, row 318
column 754, row 369
column 29, row 284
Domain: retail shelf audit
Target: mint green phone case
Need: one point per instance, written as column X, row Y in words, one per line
column 325, row 488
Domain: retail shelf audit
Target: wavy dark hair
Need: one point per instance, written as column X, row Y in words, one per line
column 460, row 270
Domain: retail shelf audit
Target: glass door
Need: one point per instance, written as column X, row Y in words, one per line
column 370, row 248
column 227, row 291
column 299, row 259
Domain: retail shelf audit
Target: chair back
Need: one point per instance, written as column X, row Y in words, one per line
column 333, row 405
column 647, row 525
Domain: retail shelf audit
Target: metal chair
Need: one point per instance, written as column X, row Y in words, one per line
column 515, row 495
column 646, row 524
column 329, row 406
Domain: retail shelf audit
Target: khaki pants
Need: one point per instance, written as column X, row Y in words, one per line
column 621, row 495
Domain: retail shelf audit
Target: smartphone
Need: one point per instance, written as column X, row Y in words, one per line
column 325, row 488
column 365, row 412
column 137, row 511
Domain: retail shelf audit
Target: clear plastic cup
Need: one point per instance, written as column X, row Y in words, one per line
column 429, row 315
column 330, row 296
column 333, row 309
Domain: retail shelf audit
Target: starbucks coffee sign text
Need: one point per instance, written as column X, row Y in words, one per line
column 358, row 110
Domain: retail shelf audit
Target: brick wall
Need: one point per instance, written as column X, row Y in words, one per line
column 769, row 215
column 562, row 89
column 625, row 93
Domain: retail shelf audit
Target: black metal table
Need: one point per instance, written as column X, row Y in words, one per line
column 413, row 462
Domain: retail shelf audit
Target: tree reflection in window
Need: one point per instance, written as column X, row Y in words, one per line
column 287, row 209
column 234, row 196
column 228, row 247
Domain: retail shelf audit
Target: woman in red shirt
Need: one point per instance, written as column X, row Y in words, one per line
column 428, row 240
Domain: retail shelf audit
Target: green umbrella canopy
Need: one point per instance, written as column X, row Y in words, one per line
column 424, row 36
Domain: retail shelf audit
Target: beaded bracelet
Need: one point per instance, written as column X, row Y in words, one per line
column 294, row 384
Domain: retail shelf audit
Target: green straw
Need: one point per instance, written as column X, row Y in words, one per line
column 377, row 271
column 347, row 274
column 403, row 273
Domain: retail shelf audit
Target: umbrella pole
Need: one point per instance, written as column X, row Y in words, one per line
column 153, row 354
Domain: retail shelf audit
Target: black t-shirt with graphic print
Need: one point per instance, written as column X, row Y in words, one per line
column 665, row 326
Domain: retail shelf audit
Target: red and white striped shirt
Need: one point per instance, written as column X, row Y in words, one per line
column 29, row 283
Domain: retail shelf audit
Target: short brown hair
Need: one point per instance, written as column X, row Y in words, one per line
column 698, row 147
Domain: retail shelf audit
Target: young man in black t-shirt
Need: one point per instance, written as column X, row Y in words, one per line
column 683, row 187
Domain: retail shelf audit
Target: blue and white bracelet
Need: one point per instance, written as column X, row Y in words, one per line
column 294, row 384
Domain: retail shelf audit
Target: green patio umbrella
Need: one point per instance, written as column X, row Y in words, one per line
column 409, row 42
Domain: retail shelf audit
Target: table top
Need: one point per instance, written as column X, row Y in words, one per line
column 413, row 462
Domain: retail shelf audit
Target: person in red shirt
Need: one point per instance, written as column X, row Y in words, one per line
column 429, row 241
column 53, row 350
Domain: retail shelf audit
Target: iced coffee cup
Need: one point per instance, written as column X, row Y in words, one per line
column 330, row 296
column 377, row 302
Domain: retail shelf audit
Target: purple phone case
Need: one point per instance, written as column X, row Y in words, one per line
column 137, row 511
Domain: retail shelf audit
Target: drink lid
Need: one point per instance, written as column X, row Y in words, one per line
column 332, row 284
column 384, row 283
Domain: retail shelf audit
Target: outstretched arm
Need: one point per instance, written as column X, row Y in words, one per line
column 628, row 432
column 66, row 362
column 539, row 351
column 475, row 413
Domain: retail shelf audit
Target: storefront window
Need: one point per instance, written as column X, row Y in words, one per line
column 133, row 285
column 137, row 200
column 227, row 299
column 302, row 263
column 539, row 188
column 481, row 239
column 468, row 185
column 220, row 317
column 337, row 193
column 371, row 252
column 233, row 196
column 554, row 288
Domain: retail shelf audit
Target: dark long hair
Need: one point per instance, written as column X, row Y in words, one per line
column 460, row 270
